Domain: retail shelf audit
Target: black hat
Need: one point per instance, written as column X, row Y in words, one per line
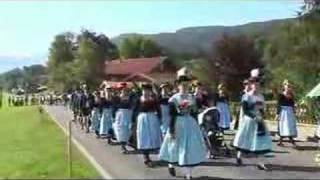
column 246, row 81
column 166, row 84
column 254, row 79
column 183, row 79
column 146, row 86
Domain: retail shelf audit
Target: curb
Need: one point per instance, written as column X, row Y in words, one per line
column 104, row 174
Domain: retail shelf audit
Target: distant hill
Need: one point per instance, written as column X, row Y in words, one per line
column 200, row 40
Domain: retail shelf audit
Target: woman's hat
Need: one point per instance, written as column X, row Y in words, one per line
column 183, row 79
column 163, row 85
column 220, row 86
column 286, row 82
column 245, row 82
column 108, row 86
column 255, row 76
column 146, row 86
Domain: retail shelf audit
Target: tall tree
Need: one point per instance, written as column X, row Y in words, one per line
column 138, row 46
column 293, row 51
column 92, row 52
column 233, row 58
column 61, row 53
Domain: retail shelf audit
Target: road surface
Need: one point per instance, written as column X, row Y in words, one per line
column 285, row 162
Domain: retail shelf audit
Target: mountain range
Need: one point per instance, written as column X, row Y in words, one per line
column 200, row 40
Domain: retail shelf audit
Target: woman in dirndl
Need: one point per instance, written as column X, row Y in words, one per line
column 148, row 124
column 246, row 89
column 107, row 110
column 96, row 113
column 222, row 104
column 253, row 136
column 164, row 106
column 183, row 144
column 123, row 117
column 287, row 127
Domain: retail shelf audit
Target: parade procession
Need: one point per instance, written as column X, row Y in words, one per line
column 183, row 123
column 157, row 89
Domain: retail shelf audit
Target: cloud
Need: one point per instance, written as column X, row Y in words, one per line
column 11, row 60
column 14, row 56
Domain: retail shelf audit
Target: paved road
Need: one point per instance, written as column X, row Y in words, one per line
column 285, row 162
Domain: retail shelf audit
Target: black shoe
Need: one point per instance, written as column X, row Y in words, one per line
column 109, row 141
column 280, row 144
column 148, row 163
column 239, row 162
column 185, row 177
column 172, row 172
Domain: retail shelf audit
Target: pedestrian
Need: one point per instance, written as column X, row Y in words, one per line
column 253, row 136
column 123, row 117
column 148, row 123
column 96, row 113
column 9, row 100
column 107, row 110
column 287, row 127
column 164, row 106
column 86, row 100
column 73, row 104
column 222, row 103
column 246, row 89
column 201, row 96
column 183, row 144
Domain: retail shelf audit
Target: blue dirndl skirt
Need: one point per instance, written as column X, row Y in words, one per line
column 148, row 131
column 188, row 147
column 248, row 140
column 165, row 115
column 287, row 125
column 122, row 125
column 95, row 118
column 225, row 115
column 106, row 121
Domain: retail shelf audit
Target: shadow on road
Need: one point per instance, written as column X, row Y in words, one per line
column 313, row 139
column 207, row 177
column 218, row 164
column 307, row 148
column 275, row 167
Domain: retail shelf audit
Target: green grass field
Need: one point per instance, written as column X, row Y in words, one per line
column 33, row 146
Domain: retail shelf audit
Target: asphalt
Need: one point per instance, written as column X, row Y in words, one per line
column 285, row 162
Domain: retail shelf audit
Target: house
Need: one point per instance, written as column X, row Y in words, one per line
column 155, row 69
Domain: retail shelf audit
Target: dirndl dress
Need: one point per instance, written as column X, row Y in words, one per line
column 165, row 114
column 95, row 118
column 106, row 121
column 287, row 126
column 122, row 125
column 148, row 131
column 247, row 138
column 188, row 147
column 225, row 115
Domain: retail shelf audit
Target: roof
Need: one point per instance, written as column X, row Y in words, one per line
column 132, row 66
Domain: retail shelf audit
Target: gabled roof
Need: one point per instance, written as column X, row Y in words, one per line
column 132, row 66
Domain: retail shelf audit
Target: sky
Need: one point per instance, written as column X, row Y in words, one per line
column 28, row 27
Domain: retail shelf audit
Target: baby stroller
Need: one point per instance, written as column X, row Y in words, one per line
column 213, row 135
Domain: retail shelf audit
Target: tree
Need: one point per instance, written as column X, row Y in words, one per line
column 92, row 52
column 61, row 53
column 293, row 53
column 138, row 46
column 233, row 58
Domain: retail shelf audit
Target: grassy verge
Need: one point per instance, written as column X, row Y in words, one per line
column 32, row 146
